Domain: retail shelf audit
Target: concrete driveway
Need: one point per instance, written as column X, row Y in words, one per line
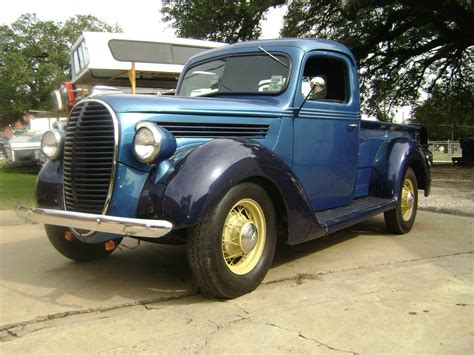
column 359, row 291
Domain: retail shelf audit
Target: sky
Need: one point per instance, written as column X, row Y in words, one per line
column 134, row 17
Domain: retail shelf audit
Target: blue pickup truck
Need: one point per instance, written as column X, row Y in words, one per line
column 263, row 140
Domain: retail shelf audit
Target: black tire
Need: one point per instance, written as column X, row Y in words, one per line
column 396, row 220
column 205, row 247
column 74, row 249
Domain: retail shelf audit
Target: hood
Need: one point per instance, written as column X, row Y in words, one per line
column 266, row 107
column 131, row 109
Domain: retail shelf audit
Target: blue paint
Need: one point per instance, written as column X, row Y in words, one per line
column 129, row 183
column 49, row 185
column 322, row 158
column 199, row 180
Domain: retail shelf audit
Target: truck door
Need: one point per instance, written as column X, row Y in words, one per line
column 326, row 141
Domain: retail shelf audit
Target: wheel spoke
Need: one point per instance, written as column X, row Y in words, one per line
column 231, row 241
column 233, row 256
column 234, row 228
column 232, row 225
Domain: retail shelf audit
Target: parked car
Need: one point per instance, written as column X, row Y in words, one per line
column 22, row 148
column 26, row 148
column 244, row 152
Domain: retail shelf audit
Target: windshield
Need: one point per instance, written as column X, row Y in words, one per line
column 249, row 74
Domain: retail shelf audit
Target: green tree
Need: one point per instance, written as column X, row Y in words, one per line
column 402, row 47
column 34, row 60
column 447, row 114
column 217, row 20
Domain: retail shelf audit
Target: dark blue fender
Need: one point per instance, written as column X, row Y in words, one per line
column 392, row 161
column 49, row 185
column 199, row 180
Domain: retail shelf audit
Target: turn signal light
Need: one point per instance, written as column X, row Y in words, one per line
column 68, row 236
column 110, row 245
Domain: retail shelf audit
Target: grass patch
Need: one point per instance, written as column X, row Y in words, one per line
column 17, row 186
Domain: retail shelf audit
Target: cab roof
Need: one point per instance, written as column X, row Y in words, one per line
column 304, row 44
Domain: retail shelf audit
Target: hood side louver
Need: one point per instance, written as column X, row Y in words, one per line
column 215, row 130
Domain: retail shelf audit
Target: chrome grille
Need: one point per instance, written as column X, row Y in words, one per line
column 89, row 153
column 214, row 130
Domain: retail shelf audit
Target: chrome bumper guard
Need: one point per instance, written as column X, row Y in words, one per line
column 133, row 227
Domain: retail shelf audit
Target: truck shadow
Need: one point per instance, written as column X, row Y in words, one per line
column 32, row 271
column 285, row 253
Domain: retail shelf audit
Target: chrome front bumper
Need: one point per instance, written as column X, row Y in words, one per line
column 133, row 227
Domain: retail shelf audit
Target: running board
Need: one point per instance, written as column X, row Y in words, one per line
column 358, row 211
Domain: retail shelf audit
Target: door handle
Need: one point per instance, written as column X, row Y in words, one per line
column 351, row 126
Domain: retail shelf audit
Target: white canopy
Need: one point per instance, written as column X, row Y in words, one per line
column 99, row 58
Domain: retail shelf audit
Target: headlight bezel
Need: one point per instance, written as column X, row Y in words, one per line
column 58, row 139
column 156, row 146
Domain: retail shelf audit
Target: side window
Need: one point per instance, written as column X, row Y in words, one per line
column 334, row 73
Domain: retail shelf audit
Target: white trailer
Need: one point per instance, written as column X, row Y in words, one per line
column 121, row 60
column 111, row 63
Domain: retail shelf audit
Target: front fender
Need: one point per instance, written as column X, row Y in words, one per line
column 49, row 185
column 391, row 163
column 202, row 177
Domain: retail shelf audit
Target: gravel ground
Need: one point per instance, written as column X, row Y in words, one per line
column 452, row 190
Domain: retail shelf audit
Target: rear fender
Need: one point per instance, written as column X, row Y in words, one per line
column 391, row 163
column 201, row 178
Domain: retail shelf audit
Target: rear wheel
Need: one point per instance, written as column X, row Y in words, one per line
column 230, row 251
column 73, row 248
column 401, row 219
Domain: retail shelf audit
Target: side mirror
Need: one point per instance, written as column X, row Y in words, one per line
column 317, row 90
column 318, row 87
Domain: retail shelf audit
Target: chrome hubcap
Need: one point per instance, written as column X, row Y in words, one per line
column 248, row 237
column 410, row 200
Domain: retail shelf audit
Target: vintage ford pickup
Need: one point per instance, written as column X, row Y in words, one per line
column 263, row 139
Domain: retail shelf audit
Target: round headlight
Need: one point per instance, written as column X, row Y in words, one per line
column 51, row 144
column 147, row 142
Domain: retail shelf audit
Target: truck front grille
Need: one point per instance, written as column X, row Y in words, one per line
column 89, row 153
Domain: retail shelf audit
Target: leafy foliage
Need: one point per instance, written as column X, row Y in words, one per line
column 217, row 20
column 402, row 46
column 34, row 60
column 447, row 115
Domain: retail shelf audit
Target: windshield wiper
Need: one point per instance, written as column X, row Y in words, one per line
column 272, row 56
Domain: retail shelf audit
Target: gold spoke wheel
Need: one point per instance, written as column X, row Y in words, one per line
column 232, row 247
column 401, row 219
column 243, row 236
column 407, row 199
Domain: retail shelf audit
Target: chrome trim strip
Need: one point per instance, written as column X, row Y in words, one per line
column 114, row 163
column 116, row 145
column 133, row 227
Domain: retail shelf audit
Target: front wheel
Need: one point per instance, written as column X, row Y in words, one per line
column 231, row 249
column 73, row 248
column 401, row 219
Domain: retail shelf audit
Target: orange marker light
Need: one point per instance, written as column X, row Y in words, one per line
column 110, row 245
column 68, row 236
